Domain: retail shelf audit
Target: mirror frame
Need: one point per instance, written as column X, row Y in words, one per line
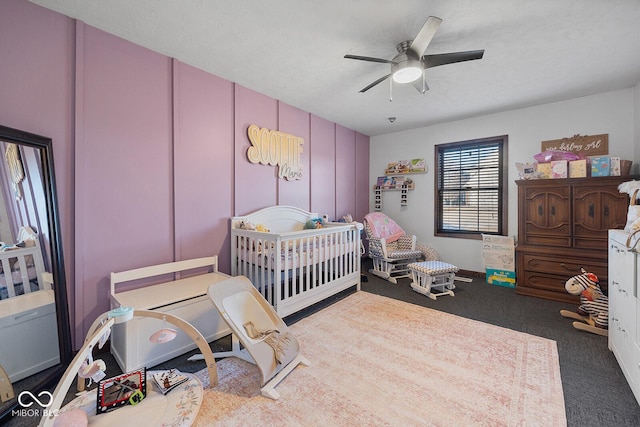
column 44, row 144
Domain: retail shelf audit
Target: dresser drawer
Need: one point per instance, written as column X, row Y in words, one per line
column 563, row 266
column 549, row 272
column 543, row 280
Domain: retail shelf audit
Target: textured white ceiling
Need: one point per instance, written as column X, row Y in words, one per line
column 292, row 50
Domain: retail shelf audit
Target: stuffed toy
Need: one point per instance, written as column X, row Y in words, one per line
column 632, row 188
column 313, row 223
column 593, row 312
column 246, row 225
column 262, row 228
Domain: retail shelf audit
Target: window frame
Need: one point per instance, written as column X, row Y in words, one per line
column 503, row 182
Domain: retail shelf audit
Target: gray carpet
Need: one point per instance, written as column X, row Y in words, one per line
column 595, row 390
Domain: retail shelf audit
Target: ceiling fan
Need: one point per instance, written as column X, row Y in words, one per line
column 409, row 64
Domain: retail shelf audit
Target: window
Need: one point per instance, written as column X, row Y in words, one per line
column 471, row 188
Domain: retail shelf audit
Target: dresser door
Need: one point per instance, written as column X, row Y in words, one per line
column 547, row 215
column 596, row 209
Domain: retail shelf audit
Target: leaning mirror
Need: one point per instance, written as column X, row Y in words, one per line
column 35, row 335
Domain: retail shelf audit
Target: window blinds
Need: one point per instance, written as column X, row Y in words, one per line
column 470, row 187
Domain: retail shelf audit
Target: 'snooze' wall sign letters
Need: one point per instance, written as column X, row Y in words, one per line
column 274, row 148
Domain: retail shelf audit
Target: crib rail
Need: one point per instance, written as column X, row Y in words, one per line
column 19, row 268
column 297, row 269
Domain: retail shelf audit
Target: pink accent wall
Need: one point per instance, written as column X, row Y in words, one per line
column 295, row 192
column 124, row 176
column 255, row 185
column 345, row 171
column 151, row 153
column 362, row 177
column 203, row 163
column 323, row 166
column 36, row 95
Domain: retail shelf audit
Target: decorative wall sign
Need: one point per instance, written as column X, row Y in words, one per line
column 585, row 145
column 274, row 148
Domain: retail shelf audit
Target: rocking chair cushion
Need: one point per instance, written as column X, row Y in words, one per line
column 404, row 254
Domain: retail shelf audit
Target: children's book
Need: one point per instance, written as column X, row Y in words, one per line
column 168, row 380
column 126, row 389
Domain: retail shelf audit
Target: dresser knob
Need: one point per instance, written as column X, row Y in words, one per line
column 563, row 265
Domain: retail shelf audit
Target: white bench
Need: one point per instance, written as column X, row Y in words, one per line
column 177, row 294
column 433, row 275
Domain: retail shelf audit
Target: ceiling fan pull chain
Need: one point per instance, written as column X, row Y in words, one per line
column 390, row 90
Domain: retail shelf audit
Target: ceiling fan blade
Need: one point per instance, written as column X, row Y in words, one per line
column 370, row 59
column 380, row 80
column 421, row 84
column 426, row 33
column 430, row 61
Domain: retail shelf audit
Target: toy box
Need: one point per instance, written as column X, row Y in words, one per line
column 614, row 166
column 544, row 170
column 578, row 168
column 558, row 169
column 600, row 166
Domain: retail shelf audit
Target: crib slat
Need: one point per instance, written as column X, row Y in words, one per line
column 314, row 265
column 310, row 242
column 24, row 275
column 6, row 268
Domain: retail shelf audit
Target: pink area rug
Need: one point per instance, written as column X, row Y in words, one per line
column 376, row 361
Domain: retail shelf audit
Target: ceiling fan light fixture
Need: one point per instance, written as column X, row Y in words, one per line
column 407, row 71
column 411, row 62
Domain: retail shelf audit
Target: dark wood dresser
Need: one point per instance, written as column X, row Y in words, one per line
column 562, row 226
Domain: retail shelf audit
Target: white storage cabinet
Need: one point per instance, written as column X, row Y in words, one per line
column 624, row 308
column 29, row 334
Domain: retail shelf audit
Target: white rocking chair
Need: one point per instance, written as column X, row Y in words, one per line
column 390, row 248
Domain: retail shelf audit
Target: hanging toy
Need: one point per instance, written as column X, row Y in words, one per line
column 163, row 335
column 92, row 369
column 105, row 336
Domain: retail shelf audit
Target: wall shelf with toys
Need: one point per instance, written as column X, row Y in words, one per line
column 405, row 167
column 394, row 180
column 392, row 183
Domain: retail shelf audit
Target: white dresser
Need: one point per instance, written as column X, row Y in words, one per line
column 624, row 307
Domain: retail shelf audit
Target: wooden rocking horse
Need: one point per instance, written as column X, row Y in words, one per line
column 592, row 314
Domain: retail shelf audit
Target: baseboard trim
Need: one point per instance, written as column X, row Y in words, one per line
column 470, row 273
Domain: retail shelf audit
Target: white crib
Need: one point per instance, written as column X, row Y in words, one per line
column 21, row 266
column 293, row 267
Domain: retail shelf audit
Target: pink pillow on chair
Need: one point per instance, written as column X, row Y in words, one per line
column 383, row 227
